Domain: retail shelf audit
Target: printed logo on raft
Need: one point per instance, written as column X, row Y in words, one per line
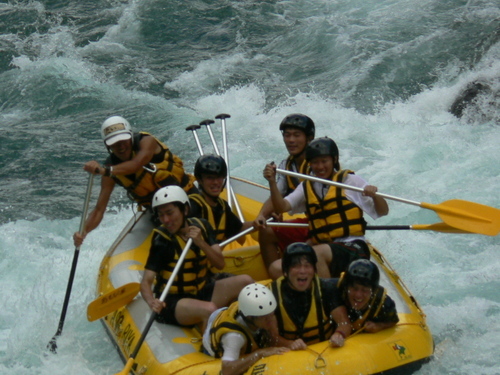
column 400, row 350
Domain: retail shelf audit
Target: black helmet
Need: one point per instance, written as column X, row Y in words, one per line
column 364, row 272
column 321, row 147
column 299, row 121
column 294, row 249
column 210, row 164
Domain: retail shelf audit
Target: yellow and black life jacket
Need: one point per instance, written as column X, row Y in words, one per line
column 208, row 214
column 193, row 274
column 374, row 305
column 334, row 216
column 164, row 169
column 317, row 326
column 293, row 182
column 226, row 322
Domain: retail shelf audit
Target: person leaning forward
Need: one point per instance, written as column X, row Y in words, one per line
column 137, row 161
column 335, row 215
column 194, row 295
column 245, row 332
column 369, row 307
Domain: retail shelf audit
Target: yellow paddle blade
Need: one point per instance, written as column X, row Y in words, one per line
column 112, row 301
column 468, row 216
column 438, row 227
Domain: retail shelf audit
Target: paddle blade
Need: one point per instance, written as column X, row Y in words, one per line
column 438, row 227
column 112, row 301
column 468, row 216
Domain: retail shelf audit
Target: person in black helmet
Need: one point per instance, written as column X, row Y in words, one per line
column 304, row 315
column 298, row 130
column 211, row 172
column 335, row 215
column 368, row 306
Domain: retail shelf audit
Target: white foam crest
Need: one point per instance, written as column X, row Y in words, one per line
column 206, row 75
column 36, row 261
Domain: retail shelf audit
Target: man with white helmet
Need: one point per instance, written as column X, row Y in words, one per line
column 137, row 161
column 194, row 295
column 245, row 332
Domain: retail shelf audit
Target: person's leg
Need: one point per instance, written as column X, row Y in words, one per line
column 325, row 257
column 268, row 243
column 227, row 290
column 275, row 270
column 190, row 311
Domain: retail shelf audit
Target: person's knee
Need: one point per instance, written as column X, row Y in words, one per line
column 275, row 270
column 243, row 280
column 267, row 235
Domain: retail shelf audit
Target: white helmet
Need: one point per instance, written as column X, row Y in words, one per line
column 115, row 129
column 256, row 300
column 169, row 194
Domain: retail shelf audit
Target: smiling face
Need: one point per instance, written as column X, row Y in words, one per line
column 171, row 216
column 322, row 166
column 212, row 185
column 295, row 141
column 358, row 296
column 122, row 149
column 300, row 274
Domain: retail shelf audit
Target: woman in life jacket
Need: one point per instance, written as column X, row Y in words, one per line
column 335, row 215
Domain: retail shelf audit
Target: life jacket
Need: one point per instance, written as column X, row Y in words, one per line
column 164, row 169
column 317, row 326
column 226, row 322
column 193, row 274
column 208, row 214
column 374, row 305
column 293, row 182
column 334, row 216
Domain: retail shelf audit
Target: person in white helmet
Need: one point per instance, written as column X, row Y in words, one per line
column 137, row 161
column 194, row 295
column 245, row 332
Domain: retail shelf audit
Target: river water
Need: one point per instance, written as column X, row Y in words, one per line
column 378, row 77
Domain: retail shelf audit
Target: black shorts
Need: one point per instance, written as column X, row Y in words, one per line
column 167, row 315
column 343, row 253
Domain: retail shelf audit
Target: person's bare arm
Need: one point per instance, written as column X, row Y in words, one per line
column 95, row 217
column 147, row 293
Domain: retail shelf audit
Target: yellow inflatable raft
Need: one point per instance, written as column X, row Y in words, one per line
column 169, row 350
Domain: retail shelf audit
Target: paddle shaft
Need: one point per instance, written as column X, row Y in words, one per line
column 466, row 216
column 231, row 196
column 437, row 227
column 52, row 344
column 178, row 265
column 341, row 185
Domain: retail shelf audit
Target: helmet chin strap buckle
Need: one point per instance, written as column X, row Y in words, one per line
column 152, row 168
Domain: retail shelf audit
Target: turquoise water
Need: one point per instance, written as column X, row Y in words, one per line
column 377, row 77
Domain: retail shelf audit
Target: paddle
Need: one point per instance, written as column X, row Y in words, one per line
column 131, row 359
column 437, row 227
column 466, row 216
column 112, row 301
column 52, row 345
